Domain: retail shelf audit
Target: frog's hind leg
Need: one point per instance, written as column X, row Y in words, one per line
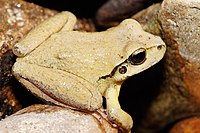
column 61, row 21
column 115, row 113
column 59, row 87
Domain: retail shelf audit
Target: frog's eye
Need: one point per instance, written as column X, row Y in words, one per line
column 138, row 56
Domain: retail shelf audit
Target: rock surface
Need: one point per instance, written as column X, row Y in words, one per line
column 190, row 125
column 114, row 11
column 178, row 22
column 53, row 119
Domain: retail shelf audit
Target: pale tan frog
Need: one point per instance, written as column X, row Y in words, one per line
column 72, row 68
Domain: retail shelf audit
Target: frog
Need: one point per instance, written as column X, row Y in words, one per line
column 82, row 70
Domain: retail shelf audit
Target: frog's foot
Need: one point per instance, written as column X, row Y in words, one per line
column 57, row 86
column 63, row 21
column 115, row 113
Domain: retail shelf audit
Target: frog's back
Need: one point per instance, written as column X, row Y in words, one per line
column 91, row 55
column 87, row 55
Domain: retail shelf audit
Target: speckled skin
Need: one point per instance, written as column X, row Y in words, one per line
column 78, row 68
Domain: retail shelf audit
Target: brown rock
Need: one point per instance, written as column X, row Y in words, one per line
column 52, row 119
column 9, row 103
column 149, row 20
column 114, row 11
column 17, row 18
column 179, row 95
column 190, row 125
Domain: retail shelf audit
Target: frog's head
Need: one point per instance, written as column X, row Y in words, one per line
column 138, row 57
column 138, row 50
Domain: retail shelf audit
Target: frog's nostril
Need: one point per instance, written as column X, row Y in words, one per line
column 159, row 47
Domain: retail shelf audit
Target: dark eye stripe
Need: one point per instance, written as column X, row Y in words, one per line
column 136, row 58
column 113, row 71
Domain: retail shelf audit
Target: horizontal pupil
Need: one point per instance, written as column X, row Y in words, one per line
column 138, row 58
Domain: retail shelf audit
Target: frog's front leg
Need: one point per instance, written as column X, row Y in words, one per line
column 63, row 21
column 115, row 113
